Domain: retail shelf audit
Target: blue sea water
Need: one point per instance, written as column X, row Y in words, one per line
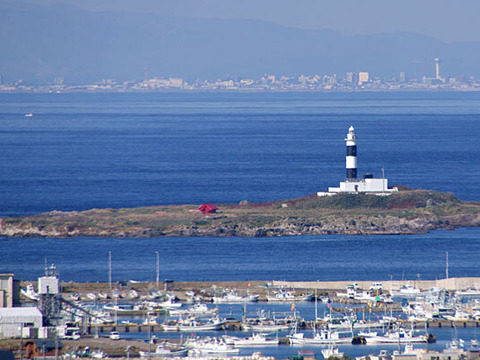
column 308, row 258
column 83, row 151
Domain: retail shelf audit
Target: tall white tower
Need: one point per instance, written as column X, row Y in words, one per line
column 437, row 68
column 351, row 159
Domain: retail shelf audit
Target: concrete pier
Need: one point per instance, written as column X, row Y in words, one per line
column 448, row 284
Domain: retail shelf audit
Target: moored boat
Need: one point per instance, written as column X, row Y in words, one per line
column 166, row 350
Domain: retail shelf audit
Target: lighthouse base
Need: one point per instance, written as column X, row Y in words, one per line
column 367, row 185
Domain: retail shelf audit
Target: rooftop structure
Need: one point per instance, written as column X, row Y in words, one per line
column 13, row 321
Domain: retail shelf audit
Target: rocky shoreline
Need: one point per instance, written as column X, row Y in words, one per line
column 407, row 212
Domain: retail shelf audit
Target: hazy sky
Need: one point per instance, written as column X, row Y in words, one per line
column 447, row 20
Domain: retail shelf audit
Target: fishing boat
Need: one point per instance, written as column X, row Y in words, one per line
column 166, row 349
column 30, row 292
column 286, row 296
column 332, row 352
column 232, row 297
column 196, row 309
column 193, row 324
column 399, row 336
column 209, row 345
column 322, row 337
column 267, row 324
column 406, row 291
column 255, row 340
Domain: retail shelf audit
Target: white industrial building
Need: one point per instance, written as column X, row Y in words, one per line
column 352, row 184
column 16, row 322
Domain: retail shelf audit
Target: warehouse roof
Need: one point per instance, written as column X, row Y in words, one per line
column 19, row 312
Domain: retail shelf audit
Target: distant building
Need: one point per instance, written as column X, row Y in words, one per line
column 363, row 77
column 16, row 322
column 9, row 291
column 437, row 68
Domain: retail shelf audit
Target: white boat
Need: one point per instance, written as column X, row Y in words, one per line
column 103, row 295
column 124, row 308
column 406, row 291
column 366, row 325
column 29, row 115
column 287, row 296
column 209, row 345
column 255, row 340
column 322, row 337
column 233, row 297
column 350, row 294
column 30, row 292
column 165, row 350
column 91, row 296
column 399, row 336
column 169, row 304
column 263, row 324
column 132, row 294
column 332, row 352
column 468, row 292
column 151, row 320
column 196, row 309
column 193, row 324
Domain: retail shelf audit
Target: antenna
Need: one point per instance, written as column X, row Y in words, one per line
column 145, row 73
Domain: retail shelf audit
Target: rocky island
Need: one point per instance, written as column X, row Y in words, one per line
column 404, row 212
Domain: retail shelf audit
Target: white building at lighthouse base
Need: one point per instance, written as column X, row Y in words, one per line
column 367, row 185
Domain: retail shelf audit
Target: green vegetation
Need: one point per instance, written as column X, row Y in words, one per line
column 407, row 211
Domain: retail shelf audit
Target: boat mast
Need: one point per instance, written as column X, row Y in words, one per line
column 158, row 268
column 110, row 269
column 316, row 312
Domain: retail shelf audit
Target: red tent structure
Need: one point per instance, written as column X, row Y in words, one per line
column 208, row 209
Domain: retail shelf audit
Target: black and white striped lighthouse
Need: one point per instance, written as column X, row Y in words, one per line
column 351, row 160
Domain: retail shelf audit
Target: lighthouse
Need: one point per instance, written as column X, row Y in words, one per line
column 351, row 159
column 352, row 184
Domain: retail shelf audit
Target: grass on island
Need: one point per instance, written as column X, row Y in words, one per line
column 335, row 214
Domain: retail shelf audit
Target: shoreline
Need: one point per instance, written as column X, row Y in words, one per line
column 405, row 212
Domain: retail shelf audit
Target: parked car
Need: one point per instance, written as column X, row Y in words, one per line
column 75, row 335
column 115, row 335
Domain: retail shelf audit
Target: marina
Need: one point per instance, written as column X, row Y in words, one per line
column 135, row 311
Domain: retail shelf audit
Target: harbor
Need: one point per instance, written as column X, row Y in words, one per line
column 247, row 319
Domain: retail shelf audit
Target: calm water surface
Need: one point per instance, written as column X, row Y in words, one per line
column 83, row 151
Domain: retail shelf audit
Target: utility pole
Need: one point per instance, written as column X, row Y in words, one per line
column 158, row 268
column 446, row 267
column 110, row 269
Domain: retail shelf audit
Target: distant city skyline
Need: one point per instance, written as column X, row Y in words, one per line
column 350, row 81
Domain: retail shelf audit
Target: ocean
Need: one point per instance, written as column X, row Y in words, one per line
column 83, row 150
